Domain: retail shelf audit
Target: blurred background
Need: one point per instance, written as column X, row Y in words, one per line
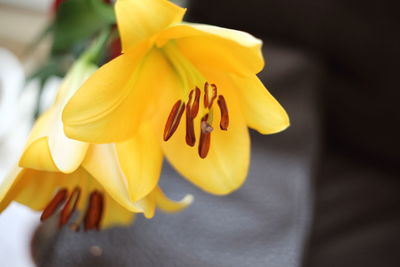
column 326, row 192
column 20, row 23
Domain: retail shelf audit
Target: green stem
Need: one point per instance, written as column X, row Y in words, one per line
column 94, row 52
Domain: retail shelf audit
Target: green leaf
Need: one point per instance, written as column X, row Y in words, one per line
column 106, row 11
column 78, row 20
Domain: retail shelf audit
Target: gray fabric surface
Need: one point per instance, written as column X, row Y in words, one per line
column 264, row 223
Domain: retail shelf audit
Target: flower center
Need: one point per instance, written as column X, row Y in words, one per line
column 191, row 111
column 67, row 204
column 189, row 103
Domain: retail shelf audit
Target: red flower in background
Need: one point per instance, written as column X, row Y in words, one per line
column 55, row 5
column 114, row 48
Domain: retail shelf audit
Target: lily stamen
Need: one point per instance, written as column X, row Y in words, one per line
column 192, row 108
column 67, row 212
column 174, row 119
column 209, row 94
column 94, row 211
column 54, row 204
column 224, row 123
column 190, row 135
column 193, row 103
column 92, row 216
column 205, row 137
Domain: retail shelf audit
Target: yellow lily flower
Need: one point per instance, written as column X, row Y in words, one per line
column 59, row 173
column 206, row 72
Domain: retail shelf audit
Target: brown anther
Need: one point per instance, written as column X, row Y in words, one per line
column 190, row 135
column 192, row 108
column 67, row 211
column 209, row 97
column 206, row 95
column 174, row 119
column 205, row 137
column 94, row 211
column 57, row 200
column 194, row 105
column 224, row 123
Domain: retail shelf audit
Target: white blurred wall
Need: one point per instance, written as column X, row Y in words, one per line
column 20, row 22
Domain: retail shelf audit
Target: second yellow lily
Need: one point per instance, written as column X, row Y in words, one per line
column 59, row 175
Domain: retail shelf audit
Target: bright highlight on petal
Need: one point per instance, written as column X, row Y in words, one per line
column 49, row 149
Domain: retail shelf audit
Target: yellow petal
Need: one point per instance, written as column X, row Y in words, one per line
column 10, row 187
column 225, row 168
column 105, row 101
column 141, row 19
column 35, row 188
column 78, row 74
column 141, row 159
column 168, row 205
column 261, row 110
column 48, row 135
column 40, row 186
column 114, row 214
column 102, row 163
column 49, row 149
column 149, row 206
column 37, row 153
column 67, row 153
column 217, row 48
column 111, row 104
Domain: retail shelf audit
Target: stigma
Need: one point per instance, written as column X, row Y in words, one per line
column 65, row 203
column 191, row 109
